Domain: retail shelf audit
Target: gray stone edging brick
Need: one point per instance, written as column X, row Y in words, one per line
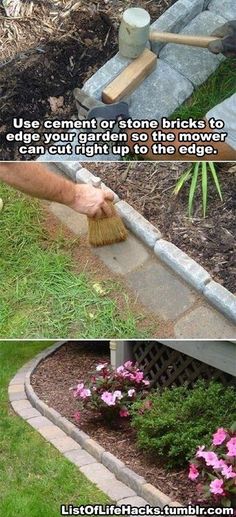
column 180, row 262
column 110, row 474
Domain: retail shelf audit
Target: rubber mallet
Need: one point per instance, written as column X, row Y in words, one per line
column 134, row 33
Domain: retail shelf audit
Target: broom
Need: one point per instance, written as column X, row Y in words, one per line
column 106, row 230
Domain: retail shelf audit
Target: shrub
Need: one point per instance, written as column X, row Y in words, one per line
column 111, row 392
column 214, row 470
column 172, row 423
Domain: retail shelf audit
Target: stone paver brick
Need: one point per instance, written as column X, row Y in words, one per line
column 20, row 405
column 175, row 18
column 115, row 489
column 93, row 448
column 227, row 9
column 130, row 478
column 112, row 463
column 65, row 444
column 39, row 422
column 161, row 290
column 14, row 397
column 154, row 496
column 196, row 64
column 18, row 379
column 133, row 501
column 222, row 299
column 123, row 257
column 169, row 90
column 69, row 168
column 204, row 322
column 76, row 223
column 80, row 458
column 29, row 413
column 79, row 436
column 97, row 473
column 138, row 224
column 16, row 388
column 180, row 262
column 52, row 431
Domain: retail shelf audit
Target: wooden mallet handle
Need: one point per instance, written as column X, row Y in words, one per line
column 182, row 39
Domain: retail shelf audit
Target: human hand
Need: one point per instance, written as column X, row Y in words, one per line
column 226, row 45
column 92, row 201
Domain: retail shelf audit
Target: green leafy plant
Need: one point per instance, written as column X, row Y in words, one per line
column 199, row 175
column 172, row 423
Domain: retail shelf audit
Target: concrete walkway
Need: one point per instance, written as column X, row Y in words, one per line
column 157, row 287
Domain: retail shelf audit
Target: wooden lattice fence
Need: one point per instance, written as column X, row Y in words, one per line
column 164, row 366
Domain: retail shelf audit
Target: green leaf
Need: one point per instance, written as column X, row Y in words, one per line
column 193, row 186
column 233, row 427
column 226, row 502
column 204, row 188
column 182, row 180
column 215, row 178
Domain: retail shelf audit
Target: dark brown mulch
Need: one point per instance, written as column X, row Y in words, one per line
column 148, row 188
column 56, row 67
column 74, row 362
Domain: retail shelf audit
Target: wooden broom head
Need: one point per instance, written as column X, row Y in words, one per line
column 106, row 230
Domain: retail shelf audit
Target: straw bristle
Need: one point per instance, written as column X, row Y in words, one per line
column 107, row 230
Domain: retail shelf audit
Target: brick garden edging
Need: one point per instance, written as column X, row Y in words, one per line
column 111, row 475
column 176, row 259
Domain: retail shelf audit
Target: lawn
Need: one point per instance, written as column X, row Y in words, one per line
column 41, row 294
column 218, row 87
column 35, row 479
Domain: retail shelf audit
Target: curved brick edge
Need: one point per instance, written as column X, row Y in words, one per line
column 183, row 265
column 110, row 474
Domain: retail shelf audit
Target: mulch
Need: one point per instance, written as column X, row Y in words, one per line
column 148, row 188
column 73, row 363
column 67, row 51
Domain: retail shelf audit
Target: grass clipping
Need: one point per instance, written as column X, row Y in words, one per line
column 107, row 230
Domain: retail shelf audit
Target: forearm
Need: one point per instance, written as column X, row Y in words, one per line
column 38, row 181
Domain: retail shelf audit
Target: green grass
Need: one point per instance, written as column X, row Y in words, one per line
column 219, row 86
column 35, row 479
column 41, row 295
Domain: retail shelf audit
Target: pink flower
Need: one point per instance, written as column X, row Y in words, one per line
column 210, row 458
column 138, row 376
column 193, row 472
column 77, row 416
column 128, row 364
column 131, row 392
column 219, row 436
column 107, row 397
column 231, row 446
column 78, row 389
column 216, row 487
column 101, row 366
column 227, row 472
column 85, row 393
column 117, row 395
column 124, row 412
column 120, row 369
column 146, row 382
column 200, row 452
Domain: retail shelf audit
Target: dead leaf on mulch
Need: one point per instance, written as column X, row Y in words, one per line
column 56, row 103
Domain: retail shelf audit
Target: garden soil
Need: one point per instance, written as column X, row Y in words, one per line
column 38, row 81
column 149, row 188
column 72, row 363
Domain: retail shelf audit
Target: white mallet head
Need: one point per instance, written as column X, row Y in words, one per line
column 134, row 32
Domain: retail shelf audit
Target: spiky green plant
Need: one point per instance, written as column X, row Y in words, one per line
column 199, row 174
